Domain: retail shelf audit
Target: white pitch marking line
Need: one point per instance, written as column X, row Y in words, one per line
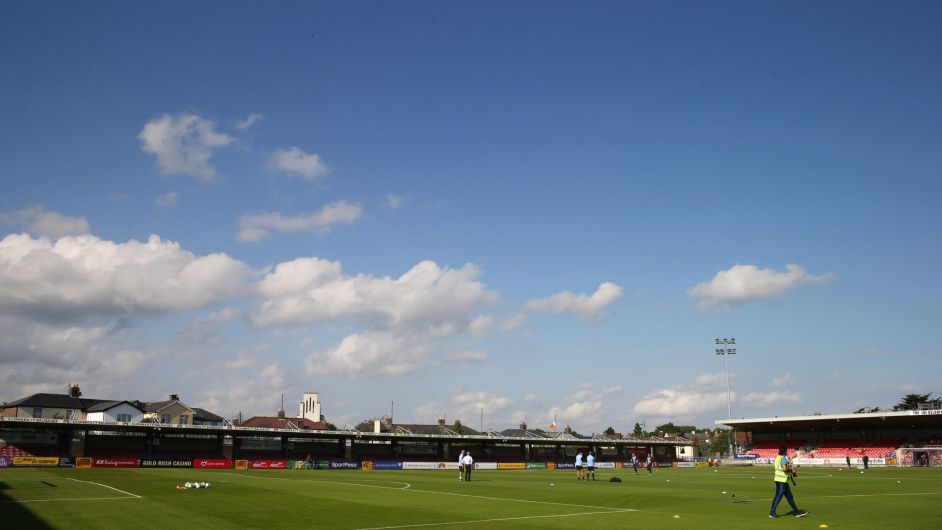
column 107, row 486
column 452, row 523
column 407, row 485
column 610, row 508
column 68, row 500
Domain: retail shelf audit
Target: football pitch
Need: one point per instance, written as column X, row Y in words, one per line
column 672, row 498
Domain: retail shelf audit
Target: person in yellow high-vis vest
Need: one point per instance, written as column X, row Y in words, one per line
column 783, row 469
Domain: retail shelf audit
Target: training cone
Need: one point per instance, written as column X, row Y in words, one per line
column 822, row 525
column 676, row 517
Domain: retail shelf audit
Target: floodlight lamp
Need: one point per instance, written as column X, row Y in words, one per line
column 732, row 341
column 719, row 351
column 719, row 341
column 731, row 351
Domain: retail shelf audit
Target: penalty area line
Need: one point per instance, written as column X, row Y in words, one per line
column 107, row 486
column 476, row 521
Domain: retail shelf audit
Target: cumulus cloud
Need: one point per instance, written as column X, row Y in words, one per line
column 167, row 199
column 294, row 161
column 83, row 276
column 39, row 221
column 183, row 144
column 311, row 290
column 785, row 380
column 684, row 401
column 248, row 122
column 764, row 399
column 39, row 357
column 255, row 227
column 712, row 381
column 677, row 403
column 468, row 405
column 393, row 201
column 742, row 284
column 586, row 306
column 401, row 320
column 584, row 407
column 466, row 357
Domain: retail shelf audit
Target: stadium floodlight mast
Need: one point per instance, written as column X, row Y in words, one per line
column 726, row 352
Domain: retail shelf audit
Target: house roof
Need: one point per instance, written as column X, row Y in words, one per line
column 414, row 428
column 107, row 405
column 157, row 406
column 61, row 401
column 204, row 414
column 522, row 433
column 274, row 422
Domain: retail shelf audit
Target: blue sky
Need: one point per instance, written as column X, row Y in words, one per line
column 537, row 209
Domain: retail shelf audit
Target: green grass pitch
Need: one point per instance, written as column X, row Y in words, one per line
column 673, row 498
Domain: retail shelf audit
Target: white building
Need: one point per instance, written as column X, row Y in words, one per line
column 310, row 407
column 121, row 411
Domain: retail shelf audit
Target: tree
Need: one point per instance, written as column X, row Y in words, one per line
column 913, row 402
column 865, row 410
column 670, row 427
column 719, row 441
column 637, row 432
column 610, row 431
column 457, row 427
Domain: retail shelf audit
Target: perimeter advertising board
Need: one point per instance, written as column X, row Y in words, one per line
column 345, row 464
column 115, row 462
column 166, row 463
column 565, row 465
column 511, row 465
column 5, row 461
column 485, row 465
column 212, row 464
column 421, row 465
column 605, row 465
column 536, row 465
column 35, row 461
column 268, row 464
column 380, row 464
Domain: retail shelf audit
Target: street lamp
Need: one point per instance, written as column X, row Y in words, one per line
column 726, row 352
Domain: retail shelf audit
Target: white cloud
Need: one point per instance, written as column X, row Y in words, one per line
column 255, row 227
column 294, row 161
column 588, row 307
column 684, row 401
column 309, row 290
column 487, row 325
column 401, row 321
column 248, row 122
column 39, row 221
column 466, row 357
column 742, row 284
column 467, row 406
column 171, row 198
column 39, row 357
column 677, row 403
column 712, row 381
column 612, row 389
column 393, row 201
column 785, row 380
column 84, row 276
column 765, row 399
column 183, row 144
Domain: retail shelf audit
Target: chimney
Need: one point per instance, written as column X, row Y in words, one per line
column 174, row 397
column 281, row 414
column 441, row 422
column 568, row 430
column 74, row 391
column 389, row 421
column 523, row 425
